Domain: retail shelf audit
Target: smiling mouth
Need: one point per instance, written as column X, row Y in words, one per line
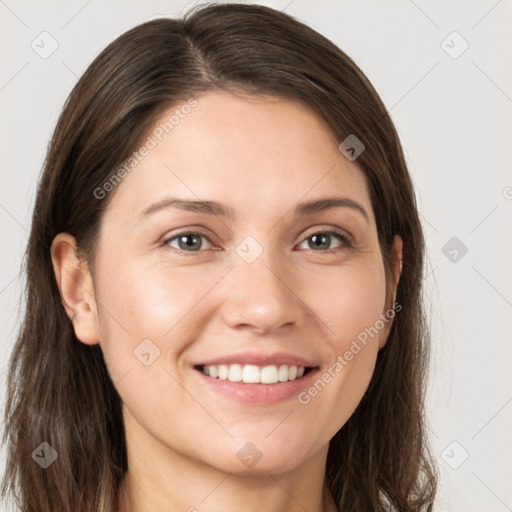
column 253, row 374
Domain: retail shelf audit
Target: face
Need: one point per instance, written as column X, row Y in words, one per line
column 234, row 331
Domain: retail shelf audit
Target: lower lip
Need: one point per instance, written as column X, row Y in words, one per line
column 265, row 394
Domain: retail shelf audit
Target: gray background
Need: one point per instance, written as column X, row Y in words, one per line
column 453, row 114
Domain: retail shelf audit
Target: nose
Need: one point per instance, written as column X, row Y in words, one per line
column 260, row 297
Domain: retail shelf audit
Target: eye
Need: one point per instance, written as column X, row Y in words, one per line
column 192, row 241
column 187, row 241
column 321, row 241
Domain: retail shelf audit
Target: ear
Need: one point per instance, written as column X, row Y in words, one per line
column 397, row 270
column 75, row 285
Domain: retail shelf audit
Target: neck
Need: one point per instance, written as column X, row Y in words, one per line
column 271, row 493
column 164, row 480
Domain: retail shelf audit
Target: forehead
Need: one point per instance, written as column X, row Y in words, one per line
column 251, row 152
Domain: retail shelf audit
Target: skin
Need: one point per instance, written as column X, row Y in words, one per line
column 261, row 156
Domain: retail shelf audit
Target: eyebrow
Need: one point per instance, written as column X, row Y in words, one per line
column 218, row 209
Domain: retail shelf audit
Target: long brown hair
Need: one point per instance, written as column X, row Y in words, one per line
column 59, row 390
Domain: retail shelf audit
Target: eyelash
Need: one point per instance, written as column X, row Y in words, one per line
column 346, row 243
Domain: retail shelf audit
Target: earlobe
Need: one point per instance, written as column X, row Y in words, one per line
column 75, row 285
column 397, row 271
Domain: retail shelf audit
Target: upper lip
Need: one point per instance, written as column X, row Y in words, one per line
column 259, row 359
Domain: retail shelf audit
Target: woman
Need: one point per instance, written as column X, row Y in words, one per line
column 224, row 284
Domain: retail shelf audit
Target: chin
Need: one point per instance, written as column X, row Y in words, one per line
column 261, row 456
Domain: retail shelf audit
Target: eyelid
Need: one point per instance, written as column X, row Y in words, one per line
column 330, row 230
column 347, row 240
column 345, row 237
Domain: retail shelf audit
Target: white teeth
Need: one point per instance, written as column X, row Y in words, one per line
column 283, row 373
column 223, row 371
column 269, row 375
column 235, row 373
column 252, row 374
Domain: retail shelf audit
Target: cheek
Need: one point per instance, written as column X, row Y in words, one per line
column 150, row 315
column 140, row 302
column 161, row 301
column 349, row 301
column 351, row 307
